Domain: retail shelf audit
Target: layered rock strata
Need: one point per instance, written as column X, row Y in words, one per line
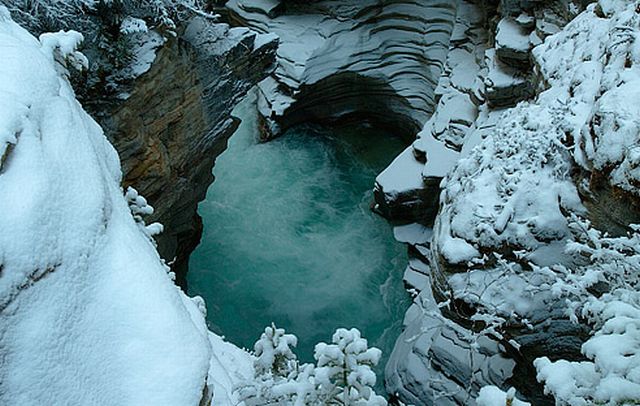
column 339, row 59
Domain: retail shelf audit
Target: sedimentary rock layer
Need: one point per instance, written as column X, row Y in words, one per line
column 376, row 61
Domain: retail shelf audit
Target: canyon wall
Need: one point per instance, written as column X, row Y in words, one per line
column 177, row 120
column 340, row 60
column 514, row 183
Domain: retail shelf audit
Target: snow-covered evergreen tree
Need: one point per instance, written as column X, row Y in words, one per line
column 275, row 365
column 274, row 352
column 343, row 371
column 342, row 376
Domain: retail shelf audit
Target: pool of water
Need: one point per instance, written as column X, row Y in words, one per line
column 289, row 238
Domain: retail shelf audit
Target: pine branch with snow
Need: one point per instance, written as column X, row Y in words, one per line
column 344, row 371
column 342, row 375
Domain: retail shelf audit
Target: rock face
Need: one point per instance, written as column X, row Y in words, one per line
column 344, row 59
column 177, row 120
column 510, row 189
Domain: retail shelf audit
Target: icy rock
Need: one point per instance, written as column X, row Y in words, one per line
column 512, row 43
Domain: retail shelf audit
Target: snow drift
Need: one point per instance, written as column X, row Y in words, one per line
column 88, row 311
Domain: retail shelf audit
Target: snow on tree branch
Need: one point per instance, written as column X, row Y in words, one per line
column 342, row 375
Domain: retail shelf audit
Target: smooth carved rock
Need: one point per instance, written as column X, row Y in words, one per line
column 376, row 61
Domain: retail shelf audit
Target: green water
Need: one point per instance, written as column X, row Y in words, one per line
column 289, row 238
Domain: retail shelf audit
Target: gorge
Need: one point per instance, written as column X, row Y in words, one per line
column 514, row 187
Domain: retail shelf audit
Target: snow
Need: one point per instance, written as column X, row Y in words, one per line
column 457, row 250
column 493, row 396
column 402, row 175
column 88, row 313
column 597, row 61
column 440, row 158
column 131, row 25
column 230, row 366
column 145, row 45
column 413, row 233
column 504, row 294
column 263, row 39
column 507, row 189
column 510, row 35
column 500, row 75
column 415, row 280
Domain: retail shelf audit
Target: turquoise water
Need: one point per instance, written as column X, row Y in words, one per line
column 289, row 238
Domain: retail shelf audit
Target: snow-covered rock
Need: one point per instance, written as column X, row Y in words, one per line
column 88, row 312
column 507, row 197
column 513, row 41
